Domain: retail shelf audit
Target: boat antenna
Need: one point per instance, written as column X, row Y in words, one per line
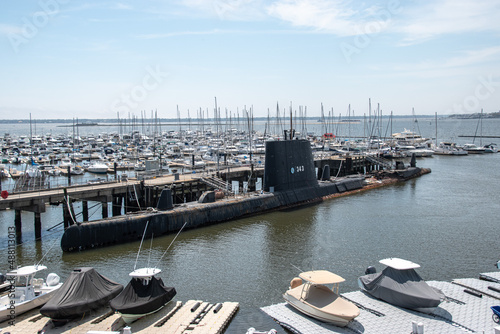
column 170, row 244
column 296, row 267
column 150, row 248
column 140, row 246
column 47, row 252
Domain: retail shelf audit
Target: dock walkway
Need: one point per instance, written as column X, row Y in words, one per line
column 192, row 317
column 462, row 313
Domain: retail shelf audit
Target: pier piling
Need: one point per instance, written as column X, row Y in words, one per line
column 85, row 210
column 17, row 222
column 38, row 225
column 104, row 205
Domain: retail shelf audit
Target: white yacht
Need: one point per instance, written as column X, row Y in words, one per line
column 98, row 168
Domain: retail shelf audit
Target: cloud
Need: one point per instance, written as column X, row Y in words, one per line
column 460, row 63
column 122, row 6
column 7, row 29
column 336, row 17
column 432, row 19
column 234, row 10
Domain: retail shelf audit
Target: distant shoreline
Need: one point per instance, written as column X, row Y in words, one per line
column 182, row 121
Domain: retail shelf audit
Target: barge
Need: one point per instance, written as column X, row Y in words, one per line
column 290, row 180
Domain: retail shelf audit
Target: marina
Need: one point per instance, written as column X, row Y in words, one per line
column 269, row 245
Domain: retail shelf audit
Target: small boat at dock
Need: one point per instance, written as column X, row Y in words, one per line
column 310, row 295
column 84, row 290
column 400, row 285
column 144, row 294
column 27, row 292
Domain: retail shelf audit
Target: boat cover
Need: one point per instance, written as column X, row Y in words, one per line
column 84, row 290
column 138, row 298
column 404, row 288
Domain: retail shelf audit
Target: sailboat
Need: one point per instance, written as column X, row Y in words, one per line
column 145, row 294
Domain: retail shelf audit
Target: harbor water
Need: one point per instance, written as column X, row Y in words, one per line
column 446, row 221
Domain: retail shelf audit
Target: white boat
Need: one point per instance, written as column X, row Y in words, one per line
column 448, row 148
column 310, row 295
column 27, row 292
column 490, row 148
column 98, row 168
column 473, row 149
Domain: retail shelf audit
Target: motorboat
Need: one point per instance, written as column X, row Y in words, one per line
column 490, row 148
column 84, row 290
column 144, row 294
column 449, row 148
column 98, row 168
column 400, row 285
column 473, row 149
column 27, row 292
column 310, row 294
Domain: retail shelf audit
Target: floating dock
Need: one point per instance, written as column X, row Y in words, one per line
column 194, row 316
column 466, row 311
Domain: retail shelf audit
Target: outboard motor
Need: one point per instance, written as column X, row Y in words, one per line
column 498, row 265
column 52, row 279
column 370, row 270
column 2, row 278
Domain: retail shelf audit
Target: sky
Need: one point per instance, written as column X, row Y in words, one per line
column 109, row 59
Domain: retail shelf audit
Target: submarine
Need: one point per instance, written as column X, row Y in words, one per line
column 290, row 180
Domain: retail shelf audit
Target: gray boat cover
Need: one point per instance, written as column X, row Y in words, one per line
column 84, row 290
column 404, row 288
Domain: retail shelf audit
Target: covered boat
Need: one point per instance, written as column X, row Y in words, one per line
column 310, row 295
column 399, row 284
column 144, row 294
column 84, row 290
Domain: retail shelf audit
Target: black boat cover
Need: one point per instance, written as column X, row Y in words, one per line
column 404, row 288
column 84, row 290
column 138, row 298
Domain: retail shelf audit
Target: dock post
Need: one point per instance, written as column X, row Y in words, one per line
column 117, row 205
column 69, row 175
column 85, row 211
column 38, row 226
column 157, row 196
column 104, row 209
column 127, row 201
column 17, row 221
column 66, row 217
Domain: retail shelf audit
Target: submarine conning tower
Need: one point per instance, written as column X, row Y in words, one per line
column 289, row 165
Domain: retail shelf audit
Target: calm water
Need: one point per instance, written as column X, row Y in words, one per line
column 446, row 221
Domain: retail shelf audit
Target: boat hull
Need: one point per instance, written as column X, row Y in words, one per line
column 20, row 308
column 319, row 302
column 313, row 312
column 130, row 318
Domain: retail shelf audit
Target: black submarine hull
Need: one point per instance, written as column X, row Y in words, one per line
column 289, row 181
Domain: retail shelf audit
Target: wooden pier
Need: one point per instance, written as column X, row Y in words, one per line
column 133, row 194
column 126, row 196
